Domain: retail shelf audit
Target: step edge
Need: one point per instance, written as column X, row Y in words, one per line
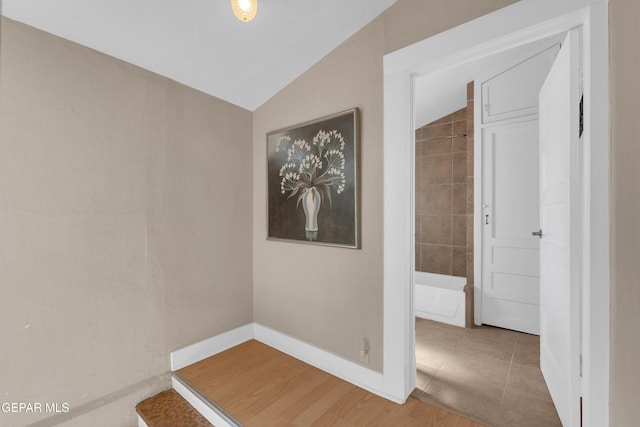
column 207, row 408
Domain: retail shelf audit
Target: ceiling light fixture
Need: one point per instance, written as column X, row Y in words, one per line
column 245, row 10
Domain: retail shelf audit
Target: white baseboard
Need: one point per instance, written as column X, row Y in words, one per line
column 205, row 410
column 141, row 422
column 335, row 365
column 207, row 348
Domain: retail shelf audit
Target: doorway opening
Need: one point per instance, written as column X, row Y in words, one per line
column 517, row 25
column 495, row 121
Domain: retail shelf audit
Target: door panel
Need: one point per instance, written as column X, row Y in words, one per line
column 515, row 179
column 516, row 287
column 517, row 260
column 561, row 223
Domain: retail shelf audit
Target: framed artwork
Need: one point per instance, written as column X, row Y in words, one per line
column 313, row 181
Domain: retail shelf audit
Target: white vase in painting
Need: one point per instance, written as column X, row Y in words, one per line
column 311, row 205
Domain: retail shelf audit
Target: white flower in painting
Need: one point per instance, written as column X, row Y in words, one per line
column 283, row 140
column 289, row 177
column 319, row 164
column 321, row 139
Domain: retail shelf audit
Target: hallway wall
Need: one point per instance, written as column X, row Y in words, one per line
column 122, row 237
column 625, row 211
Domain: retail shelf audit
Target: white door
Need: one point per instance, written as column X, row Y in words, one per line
column 510, row 190
column 560, row 220
column 510, row 194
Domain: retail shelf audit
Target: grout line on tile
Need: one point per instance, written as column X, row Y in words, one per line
column 441, row 365
column 428, row 383
column 500, row 416
column 506, row 381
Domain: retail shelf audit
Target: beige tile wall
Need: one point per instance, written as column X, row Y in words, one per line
column 469, row 222
column 442, row 195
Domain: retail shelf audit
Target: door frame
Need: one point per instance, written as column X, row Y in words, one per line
column 522, row 22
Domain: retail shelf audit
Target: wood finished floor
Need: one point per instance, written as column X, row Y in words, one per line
column 261, row 386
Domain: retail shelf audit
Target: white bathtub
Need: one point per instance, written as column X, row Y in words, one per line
column 439, row 297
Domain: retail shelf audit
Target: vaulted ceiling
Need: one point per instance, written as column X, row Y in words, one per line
column 200, row 43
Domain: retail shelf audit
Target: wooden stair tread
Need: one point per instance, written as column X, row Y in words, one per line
column 260, row 386
column 169, row 409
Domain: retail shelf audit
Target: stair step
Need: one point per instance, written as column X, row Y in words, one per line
column 169, row 409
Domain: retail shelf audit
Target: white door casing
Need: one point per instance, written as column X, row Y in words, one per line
column 561, row 224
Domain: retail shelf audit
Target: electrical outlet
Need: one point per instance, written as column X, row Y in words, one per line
column 364, row 350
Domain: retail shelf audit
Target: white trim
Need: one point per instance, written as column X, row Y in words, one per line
column 399, row 240
column 335, row 365
column 207, row 348
column 477, row 205
column 506, row 28
column 200, row 406
column 522, row 22
column 141, row 422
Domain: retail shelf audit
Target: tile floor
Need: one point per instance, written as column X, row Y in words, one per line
column 489, row 373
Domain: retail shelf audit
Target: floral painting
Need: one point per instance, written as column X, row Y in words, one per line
column 313, row 181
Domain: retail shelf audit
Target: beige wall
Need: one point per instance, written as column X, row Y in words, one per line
column 116, row 247
column 125, row 227
column 625, row 211
column 332, row 297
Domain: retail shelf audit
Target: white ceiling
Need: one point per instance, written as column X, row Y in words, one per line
column 200, row 43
